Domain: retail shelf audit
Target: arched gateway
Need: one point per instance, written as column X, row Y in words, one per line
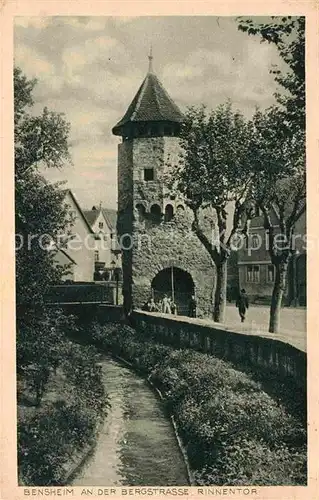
column 175, row 283
column 157, row 220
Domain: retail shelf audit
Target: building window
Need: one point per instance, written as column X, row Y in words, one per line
column 96, row 255
column 270, row 273
column 148, row 174
column 255, row 241
column 140, row 209
column 169, row 213
column 253, row 274
column 156, row 213
column 100, row 225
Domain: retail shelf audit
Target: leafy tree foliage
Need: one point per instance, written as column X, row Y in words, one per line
column 288, row 34
column 214, row 172
column 41, row 213
column 279, row 186
column 37, row 139
column 279, row 147
column 50, row 434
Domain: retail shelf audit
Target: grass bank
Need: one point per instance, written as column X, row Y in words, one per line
column 234, row 432
column 57, row 431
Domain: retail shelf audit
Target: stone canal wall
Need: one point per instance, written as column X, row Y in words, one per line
column 266, row 353
column 261, row 352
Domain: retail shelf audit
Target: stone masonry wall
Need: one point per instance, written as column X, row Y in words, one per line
column 156, row 245
column 171, row 244
column 125, row 215
column 163, row 244
column 264, row 353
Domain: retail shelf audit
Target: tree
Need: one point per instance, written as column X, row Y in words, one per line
column 40, row 211
column 280, row 180
column 288, row 34
column 279, row 186
column 49, row 436
column 214, row 173
column 37, row 139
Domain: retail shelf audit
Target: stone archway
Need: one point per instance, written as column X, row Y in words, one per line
column 177, row 284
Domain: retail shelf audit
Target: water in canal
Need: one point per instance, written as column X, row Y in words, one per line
column 136, row 445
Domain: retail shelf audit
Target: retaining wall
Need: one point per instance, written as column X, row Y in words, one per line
column 267, row 353
column 104, row 313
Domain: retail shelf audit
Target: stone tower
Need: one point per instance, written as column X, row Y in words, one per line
column 160, row 254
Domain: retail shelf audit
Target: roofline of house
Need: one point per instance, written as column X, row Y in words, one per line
column 107, row 220
column 67, row 255
column 68, row 191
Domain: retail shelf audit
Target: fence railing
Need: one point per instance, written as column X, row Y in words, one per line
column 102, row 293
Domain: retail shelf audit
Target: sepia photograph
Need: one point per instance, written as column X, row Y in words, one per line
column 160, row 253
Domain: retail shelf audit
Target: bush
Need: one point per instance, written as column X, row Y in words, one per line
column 234, row 432
column 49, row 439
column 69, row 407
column 252, row 462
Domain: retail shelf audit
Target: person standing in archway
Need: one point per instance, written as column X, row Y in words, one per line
column 152, row 305
column 242, row 304
column 166, row 305
column 173, row 307
column 192, row 307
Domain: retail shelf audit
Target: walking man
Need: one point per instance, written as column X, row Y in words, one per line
column 242, row 304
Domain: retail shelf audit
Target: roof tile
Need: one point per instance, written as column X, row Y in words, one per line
column 151, row 103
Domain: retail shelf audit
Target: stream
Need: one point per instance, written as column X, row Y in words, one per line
column 136, row 445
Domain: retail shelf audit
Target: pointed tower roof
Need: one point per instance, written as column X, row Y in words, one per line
column 151, row 104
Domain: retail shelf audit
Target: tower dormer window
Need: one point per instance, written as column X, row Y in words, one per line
column 100, row 225
column 148, row 174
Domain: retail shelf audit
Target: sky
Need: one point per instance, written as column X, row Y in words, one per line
column 90, row 68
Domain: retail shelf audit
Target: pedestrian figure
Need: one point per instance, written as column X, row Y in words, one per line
column 242, row 304
column 151, row 305
column 146, row 306
column 192, row 307
column 173, row 307
column 166, row 305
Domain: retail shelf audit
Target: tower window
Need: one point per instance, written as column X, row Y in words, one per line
column 140, row 211
column 156, row 213
column 169, row 213
column 96, row 255
column 148, row 174
column 100, row 225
